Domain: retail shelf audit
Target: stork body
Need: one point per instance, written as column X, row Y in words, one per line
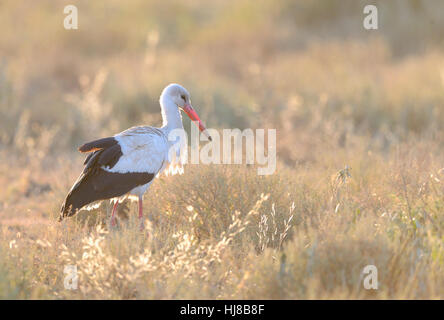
column 125, row 165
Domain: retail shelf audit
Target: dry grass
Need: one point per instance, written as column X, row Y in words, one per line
column 308, row 236
column 360, row 176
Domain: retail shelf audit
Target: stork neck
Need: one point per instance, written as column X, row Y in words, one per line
column 171, row 116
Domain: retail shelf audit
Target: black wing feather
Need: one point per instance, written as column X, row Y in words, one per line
column 96, row 183
column 98, row 144
column 110, row 156
column 90, row 156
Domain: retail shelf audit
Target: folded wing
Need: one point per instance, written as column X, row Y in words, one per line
column 114, row 167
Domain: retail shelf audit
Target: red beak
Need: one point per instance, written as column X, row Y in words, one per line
column 188, row 109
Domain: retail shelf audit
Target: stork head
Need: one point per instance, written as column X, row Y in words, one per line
column 181, row 98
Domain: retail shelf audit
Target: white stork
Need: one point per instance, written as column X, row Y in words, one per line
column 124, row 166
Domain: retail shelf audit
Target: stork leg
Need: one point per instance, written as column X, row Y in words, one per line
column 113, row 218
column 142, row 226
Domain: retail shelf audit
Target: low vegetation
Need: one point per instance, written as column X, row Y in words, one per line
column 360, row 148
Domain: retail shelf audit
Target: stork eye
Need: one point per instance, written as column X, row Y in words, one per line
column 183, row 97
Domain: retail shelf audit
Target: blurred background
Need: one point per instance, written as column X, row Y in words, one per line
column 307, row 68
column 360, row 148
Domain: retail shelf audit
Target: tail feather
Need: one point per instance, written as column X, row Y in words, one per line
column 98, row 144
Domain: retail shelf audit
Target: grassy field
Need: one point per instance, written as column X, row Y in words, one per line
column 360, row 148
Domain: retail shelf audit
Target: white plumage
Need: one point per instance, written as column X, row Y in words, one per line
column 144, row 149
